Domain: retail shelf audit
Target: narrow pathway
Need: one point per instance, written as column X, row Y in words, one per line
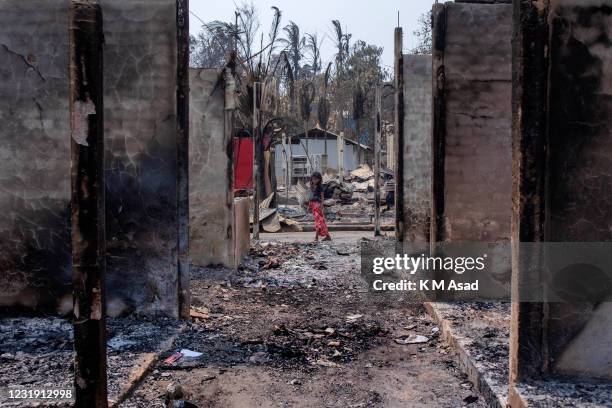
column 295, row 327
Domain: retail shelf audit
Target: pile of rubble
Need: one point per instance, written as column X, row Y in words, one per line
column 362, row 179
column 348, row 200
column 334, row 189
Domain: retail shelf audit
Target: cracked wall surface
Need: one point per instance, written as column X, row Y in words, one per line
column 211, row 226
column 35, row 153
column 417, row 147
column 477, row 171
column 140, row 163
column 140, row 149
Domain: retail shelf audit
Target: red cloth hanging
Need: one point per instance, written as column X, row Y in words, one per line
column 243, row 163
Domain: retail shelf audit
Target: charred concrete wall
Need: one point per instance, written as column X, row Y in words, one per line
column 141, row 153
column 219, row 223
column 140, row 148
column 34, row 153
column 242, row 227
column 580, row 172
column 211, row 226
column 563, row 175
column 472, row 122
column 417, row 147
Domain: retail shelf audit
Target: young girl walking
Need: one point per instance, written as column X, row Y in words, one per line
column 316, row 205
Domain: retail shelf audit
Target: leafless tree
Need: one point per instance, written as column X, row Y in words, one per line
column 342, row 40
column 294, row 45
column 324, row 108
column 307, row 96
column 314, row 47
column 423, row 35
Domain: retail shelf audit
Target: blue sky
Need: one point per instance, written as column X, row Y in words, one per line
column 370, row 20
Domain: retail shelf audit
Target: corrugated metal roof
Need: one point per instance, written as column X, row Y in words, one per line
column 317, row 133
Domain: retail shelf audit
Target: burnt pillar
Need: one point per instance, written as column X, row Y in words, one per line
column 438, row 122
column 256, row 158
column 182, row 151
column 399, row 134
column 87, row 205
column 377, row 138
column 529, row 80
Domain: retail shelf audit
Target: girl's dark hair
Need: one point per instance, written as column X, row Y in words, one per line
column 316, row 175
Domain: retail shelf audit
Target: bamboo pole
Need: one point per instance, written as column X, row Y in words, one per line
column 256, row 150
column 287, row 166
column 377, row 139
column 341, row 156
column 87, row 203
column 290, row 161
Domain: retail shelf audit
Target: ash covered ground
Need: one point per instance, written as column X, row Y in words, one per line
column 38, row 352
column 296, row 327
column 483, row 330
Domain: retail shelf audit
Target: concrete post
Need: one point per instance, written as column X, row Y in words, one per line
column 285, row 161
column 377, row 138
column 439, row 122
column 529, row 77
column 87, row 203
column 399, row 135
column 390, row 151
column 182, row 151
column 290, row 164
column 341, row 155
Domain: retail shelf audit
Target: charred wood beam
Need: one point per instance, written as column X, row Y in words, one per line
column 87, row 203
column 256, row 157
column 182, row 151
